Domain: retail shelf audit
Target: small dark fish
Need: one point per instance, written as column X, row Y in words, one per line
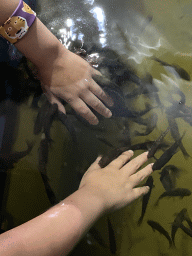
column 111, row 155
column 176, row 135
column 96, row 235
column 36, row 97
column 49, row 191
column 174, row 173
column 180, row 192
column 43, row 155
column 166, row 180
column 119, row 108
column 112, row 240
column 156, row 226
column 187, row 231
column 124, row 37
column 180, row 217
column 41, row 117
column 7, row 160
column 180, row 71
column 146, row 87
column 66, row 120
column 142, row 146
column 104, row 141
column 145, row 199
column 187, row 218
column 49, row 119
column 167, row 155
column 147, row 145
column 173, row 170
column 43, row 160
column 157, row 143
column 140, row 120
column 149, row 128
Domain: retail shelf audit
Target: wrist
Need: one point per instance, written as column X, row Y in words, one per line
column 40, row 46
column 90, row 204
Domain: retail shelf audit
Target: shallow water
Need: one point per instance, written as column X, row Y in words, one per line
column 136, row 39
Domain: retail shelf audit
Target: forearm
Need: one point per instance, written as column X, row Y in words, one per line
column 56, row 231
column 39, row 45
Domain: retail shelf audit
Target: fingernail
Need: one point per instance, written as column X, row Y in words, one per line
column 95, row 121
column 147, row 188
column 108, row 113
column 131, row 152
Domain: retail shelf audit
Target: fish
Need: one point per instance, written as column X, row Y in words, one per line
column 111, row 155
column 187, row 218
column 147, row 145
column 36, row 98
column 178, row 192
column 43, row 154
column 50, row 194
column 148, row 107
column 149, row 128
column 49, row 119
column 119, row 108
column 167, row 155
column 166, row 180
column 187, row 231
column 174, row 129
column 140, row 120
column 96, row 235
column 68, row 122
column 174, row 173
column 156, row 226
column 43, row 160
column 146, row 87
column 104, row 141
column 41, row 117
column 180, row 217
column 183, row 74
column 7, row 160
column 157, row 143
column 146, row 198
column 112, row 240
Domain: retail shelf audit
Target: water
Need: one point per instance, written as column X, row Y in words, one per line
column 137, row 31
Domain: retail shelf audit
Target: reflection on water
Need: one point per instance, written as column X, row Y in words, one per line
column 150, row 95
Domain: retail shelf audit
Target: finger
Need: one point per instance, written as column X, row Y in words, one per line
column 82, row 109
column 138, row 177
column 90, row 99
column 97, row 90
column 53, row 99
column 95, row 164
column 138, row 192
column 122, row 159
column 136, row 163
column 95, row 72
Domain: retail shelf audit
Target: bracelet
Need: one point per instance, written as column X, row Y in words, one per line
column 18, row 24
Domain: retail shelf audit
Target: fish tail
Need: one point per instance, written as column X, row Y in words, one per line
column 112, row 240
column 140, row 221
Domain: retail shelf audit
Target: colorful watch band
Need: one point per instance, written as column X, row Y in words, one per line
column 18, row 24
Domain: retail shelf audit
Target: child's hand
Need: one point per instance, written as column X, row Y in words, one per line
column 115, row 183
column 69, row 77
